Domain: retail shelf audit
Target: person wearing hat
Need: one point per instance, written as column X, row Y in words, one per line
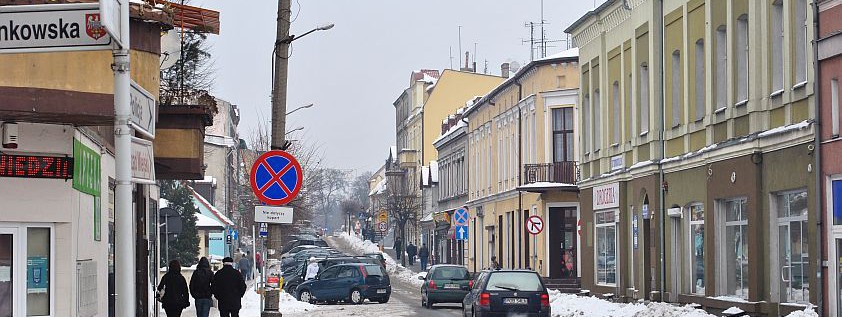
column 228, row 287
column 312, row 269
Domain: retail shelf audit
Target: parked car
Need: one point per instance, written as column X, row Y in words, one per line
column 293, row 280
column 445, row 283
column 504, row 292
column 379, row 256
column 354, row 283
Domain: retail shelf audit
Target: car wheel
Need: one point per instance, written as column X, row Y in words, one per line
column 355, row 297
column 305, row 296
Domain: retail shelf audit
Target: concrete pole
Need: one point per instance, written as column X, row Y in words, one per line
column 124, row 215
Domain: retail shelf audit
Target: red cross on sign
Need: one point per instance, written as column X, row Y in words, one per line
column 534, row 224
column 276, row 178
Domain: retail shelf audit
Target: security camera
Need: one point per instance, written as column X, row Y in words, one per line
column 10, row 135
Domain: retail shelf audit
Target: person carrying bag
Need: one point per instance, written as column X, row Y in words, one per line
column 173, row 291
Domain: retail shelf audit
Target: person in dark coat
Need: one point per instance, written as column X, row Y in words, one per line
column 245, row 266
column 229, row 287
column 411, row 250
column 398, row 248
column 174, row 286
column 423, row 255
column 200, row 287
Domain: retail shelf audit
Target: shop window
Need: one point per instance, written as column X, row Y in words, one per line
column 697, row 249
column 733, row 248
column 606, row 247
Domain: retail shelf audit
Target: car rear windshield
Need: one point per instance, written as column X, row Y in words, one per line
column 374, row 270
column 514, row 281
column 451, row 273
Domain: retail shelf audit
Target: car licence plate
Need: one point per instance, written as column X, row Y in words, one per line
column 381, row 291
column 515, row 301
column 451, row 286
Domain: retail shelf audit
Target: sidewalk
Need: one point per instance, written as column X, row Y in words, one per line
column 414, row 268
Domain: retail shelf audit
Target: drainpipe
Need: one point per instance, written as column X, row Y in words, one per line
column 520, row 164
column 661, row 199
column 818, row 167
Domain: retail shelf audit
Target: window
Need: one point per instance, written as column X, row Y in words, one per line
column 777, row 47
column 734, row 249
column 793, row 257
column 700, row 79
column 834, row 107
column 697, row 249
column 721, row 65
column 329, row 273
column 562, row 134
column 606, row 247
column 677, row 101
column 597, row 125
column 586, row 124
column 800, row 37
column 615, row 91
column 643, row 88
column 741, row 52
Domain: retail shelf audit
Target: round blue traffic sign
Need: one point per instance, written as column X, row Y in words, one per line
column 276, row 178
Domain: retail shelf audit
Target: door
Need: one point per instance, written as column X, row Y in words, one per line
column 8, row 255
column 348, row 276
column 563, row 235
column 323, row 287
column 793, row 255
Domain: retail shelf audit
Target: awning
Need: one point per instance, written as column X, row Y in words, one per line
column 542, row 187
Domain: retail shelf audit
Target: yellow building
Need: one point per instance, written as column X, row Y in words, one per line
column 521, row 151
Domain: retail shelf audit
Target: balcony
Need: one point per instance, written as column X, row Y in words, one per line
column 558, row 176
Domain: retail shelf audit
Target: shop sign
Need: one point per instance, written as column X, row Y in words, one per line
column 143, row 162
column 37, row 275
column 86, row 169
column 33, row 166
column 606, row 196
column 617, row 162
column 635, row 231
column 52, row 27
column 442, row 217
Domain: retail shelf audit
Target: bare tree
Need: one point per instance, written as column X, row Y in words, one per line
column 360, row 189
column 329, row 187
column 403, row 204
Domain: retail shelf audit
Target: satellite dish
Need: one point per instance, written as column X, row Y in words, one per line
column 170, row 48
column 514, row 66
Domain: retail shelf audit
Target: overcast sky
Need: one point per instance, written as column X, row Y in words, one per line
column 353, row 72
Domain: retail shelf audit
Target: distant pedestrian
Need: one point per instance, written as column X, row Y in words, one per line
column 411, row 250
column 494, row 264
column 424, row 255
column 244, row 266
column 174, row 287
column 258, row 260
column 312, row 269
column 228, row 287
column 200, row 287
column 237, row 256
column 398, row 247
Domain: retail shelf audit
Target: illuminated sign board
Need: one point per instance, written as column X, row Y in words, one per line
column 33, row 166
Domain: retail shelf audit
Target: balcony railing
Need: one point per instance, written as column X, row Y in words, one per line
column 558, row 172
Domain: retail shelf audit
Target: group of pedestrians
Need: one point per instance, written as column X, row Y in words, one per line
column 226, row 285
column 411, row 251
column 244, row 263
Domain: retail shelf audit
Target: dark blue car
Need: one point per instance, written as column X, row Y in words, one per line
column 507, row 293
column 352, row 282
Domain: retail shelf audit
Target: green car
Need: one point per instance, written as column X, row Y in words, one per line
column 445, row 283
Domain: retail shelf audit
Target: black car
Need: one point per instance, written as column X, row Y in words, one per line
column 291, row 281
column 505, row 292
column 353, row 283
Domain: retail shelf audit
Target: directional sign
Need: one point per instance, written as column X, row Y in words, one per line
column 51, row 28
column 110, row 17
column 534, row 224
column 460, row 217
column 273, row 214
column 143, row 110
column 382, row 227
column 461, row 232
column 276, row 178
column 264, row 230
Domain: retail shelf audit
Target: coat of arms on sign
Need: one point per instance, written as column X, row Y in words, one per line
column 93, row 26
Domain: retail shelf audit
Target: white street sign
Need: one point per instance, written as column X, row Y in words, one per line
column 143, row 110
column 51, row 28
column 534, row 224
column 143, row 162
column 273, row 214
column 110, row 18
column 382, row 227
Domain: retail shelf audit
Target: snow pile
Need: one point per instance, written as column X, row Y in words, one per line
column 394, row 269
column 798, row 126
column 807, row 312
column 288, row 304
column 733, row 311
column 564, row 305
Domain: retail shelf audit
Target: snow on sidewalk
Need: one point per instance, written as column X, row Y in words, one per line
column 288, row 304
column 564, row 305
column 394, row 269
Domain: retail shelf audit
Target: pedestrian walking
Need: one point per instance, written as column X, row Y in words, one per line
column 398, row 248
column 237, row 256
column 244, row 266
column 228, row 287
column 172, row 291
column 259, row 261
column 411, row 250
column 312, row 269
column 200, row 287
column 424, row 255
column 494, row 264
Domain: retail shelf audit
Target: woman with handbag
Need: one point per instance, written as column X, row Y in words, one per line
column 200, row 287
column 172, row 291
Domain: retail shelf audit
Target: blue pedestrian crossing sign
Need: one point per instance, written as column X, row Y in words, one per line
column 461, row 232
column 460, row 217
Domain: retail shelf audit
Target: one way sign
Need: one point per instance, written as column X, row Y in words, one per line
column 461, row 232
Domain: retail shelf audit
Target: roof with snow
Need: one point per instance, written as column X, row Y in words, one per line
column 209, row 210
column 203, row 221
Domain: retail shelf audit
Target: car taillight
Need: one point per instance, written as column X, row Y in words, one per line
column 431, row 285
column 484, row 299
column 470, row 284
column 545, row 300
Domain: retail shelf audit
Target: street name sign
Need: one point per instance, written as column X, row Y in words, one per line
column 461, row 232
column 271, row 214
column 534, row 224
column 143, row 110
column 51, row 28
column 143, row 162
column 276, row 178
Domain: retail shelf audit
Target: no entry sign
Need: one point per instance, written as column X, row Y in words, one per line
column 534, row 224
column 276, row 178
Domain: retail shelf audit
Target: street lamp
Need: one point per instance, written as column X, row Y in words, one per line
column 292, row 37
column 293, row 130
column 299, row 108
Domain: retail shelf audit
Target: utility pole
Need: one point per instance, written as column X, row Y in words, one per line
column 279, row 109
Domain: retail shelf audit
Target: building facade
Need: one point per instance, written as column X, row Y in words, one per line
column 451, row 191
column 696, row 154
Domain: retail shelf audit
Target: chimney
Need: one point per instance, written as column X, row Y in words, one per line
column 466, row 59
column 444, row 127
column 504, row 70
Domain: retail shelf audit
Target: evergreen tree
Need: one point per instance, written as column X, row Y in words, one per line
column 185, row 248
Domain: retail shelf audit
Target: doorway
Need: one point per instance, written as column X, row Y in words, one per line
column 7, row 269
column 563, row 243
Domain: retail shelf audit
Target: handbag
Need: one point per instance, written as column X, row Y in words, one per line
column 159, row 294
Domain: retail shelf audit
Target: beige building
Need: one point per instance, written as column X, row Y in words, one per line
column 697, row 187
